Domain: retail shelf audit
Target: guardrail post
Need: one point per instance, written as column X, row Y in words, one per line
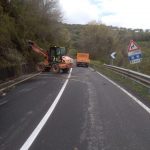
column 149, row 90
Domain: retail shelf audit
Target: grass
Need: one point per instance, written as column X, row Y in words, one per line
column 130, row 85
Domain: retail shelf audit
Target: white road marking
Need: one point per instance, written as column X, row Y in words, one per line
column 39, row 127
column 91, row 69
column 2, row 103
column 19, row 82
column 4, row 94
column 129, row 94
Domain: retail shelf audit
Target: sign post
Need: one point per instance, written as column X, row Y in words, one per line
column 113, row 56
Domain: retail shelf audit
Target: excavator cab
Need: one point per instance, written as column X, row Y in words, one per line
column 57, row 59
column 55, row 54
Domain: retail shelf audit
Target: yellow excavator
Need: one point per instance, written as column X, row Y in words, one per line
column 55, row 59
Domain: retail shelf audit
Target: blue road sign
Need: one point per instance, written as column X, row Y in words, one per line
column 134, row 57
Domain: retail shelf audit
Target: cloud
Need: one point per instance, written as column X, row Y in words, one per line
column 79, row 11
column 131, row 14
column 122, row 13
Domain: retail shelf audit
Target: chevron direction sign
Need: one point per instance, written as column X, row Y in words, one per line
column 113, row 55
column 134, row 53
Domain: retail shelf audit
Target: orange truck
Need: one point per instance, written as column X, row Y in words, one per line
column 82, row 59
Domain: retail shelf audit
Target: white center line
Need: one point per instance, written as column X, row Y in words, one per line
column 39, row 127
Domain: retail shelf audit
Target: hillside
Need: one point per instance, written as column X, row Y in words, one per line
column 41, row 22
column 100, row 41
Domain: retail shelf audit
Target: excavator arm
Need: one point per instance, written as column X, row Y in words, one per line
column 54, row 60
column 37, row 49
column 42, row 65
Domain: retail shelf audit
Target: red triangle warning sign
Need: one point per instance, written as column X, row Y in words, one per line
column 133, row 46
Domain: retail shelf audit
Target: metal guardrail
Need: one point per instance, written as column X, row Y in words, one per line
column 139, row 77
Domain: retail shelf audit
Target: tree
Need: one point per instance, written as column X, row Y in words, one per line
column 97, row 40
column 37, row 20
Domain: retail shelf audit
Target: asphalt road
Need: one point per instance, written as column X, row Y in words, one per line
column 91, row 114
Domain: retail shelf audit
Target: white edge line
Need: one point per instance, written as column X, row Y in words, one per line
column 19, row 82
column 41, row 124
column 2, row 103
column 91, row 68
column 129, row 94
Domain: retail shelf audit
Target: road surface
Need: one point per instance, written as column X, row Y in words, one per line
column 84, row 112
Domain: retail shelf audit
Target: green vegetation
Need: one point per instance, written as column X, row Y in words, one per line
column 22, row 20
column 100, row 41
column 122, row 80
column 41, row 21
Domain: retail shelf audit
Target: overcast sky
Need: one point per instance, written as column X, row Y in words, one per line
column 121, row 13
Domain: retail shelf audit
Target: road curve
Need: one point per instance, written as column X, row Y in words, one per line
column 92, row 114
